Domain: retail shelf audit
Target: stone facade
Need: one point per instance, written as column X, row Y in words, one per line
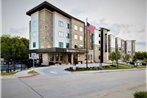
column 96, row 53
column 45, row 28
column 73, row 41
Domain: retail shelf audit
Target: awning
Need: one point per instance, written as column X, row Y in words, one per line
column 58, row 50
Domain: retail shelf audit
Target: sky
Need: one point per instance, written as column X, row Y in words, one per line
column 125, row 18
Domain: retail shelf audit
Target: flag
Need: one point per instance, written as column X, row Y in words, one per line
column 90, row 28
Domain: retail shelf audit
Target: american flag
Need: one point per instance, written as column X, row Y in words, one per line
column 90, row 28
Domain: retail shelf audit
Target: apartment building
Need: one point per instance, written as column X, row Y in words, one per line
column 130, row 47
column 111, row 43
column 55, row 36
column 104, row 56
column 121, row 45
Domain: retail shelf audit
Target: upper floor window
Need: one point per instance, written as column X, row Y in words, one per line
column 81, row 46
column 34, row 44
column 76, row 36
column 67, row 35
column 61, row 44
column 60, row 23
column 75, row 27
column 67, row 45
column 61, row 34
column 67, row 26
column 81, row 38
column 81, row 29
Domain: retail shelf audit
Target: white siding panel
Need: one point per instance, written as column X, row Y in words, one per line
column 34, row 30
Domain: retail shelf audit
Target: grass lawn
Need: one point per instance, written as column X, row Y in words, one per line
column 7, row 73
column 110, row 67
column 32, row 72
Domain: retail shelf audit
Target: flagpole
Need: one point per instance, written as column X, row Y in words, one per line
column 86, row 44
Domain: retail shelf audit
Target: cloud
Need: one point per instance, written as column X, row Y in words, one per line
column 77, row 12
column 141, row 43
column 22, row 31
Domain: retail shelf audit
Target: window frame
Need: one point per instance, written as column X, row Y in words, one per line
column 60, row 23
column 34, row 44
column 81, row 29
column 75, row 27
column 75, row 36
column 60, row 33
column 60, row 44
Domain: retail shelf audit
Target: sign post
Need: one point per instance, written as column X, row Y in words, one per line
column 33, row 58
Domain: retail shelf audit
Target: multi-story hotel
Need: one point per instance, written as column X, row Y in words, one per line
column 57, row 37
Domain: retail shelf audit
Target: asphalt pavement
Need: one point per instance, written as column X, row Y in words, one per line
column 76, row 85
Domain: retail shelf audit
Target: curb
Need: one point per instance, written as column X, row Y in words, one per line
column 104, row 71
column 29, row 76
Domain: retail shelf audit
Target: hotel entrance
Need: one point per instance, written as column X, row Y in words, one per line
column 53, row 56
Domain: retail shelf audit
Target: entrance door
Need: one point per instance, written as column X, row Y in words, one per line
column 75, row 58
column 69, row 58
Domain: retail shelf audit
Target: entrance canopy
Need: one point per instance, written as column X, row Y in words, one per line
column 58, row 50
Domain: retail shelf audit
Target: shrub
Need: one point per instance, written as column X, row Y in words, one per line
column 32, row 72
column 140, row 94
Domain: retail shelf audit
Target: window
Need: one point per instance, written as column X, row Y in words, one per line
column 99, row 42
column 67, row 35
column 76, row 46
column 57, row 58
column 61, row 58
column 52, row 58
column 60, row 23
column 75, row 27
column 99, row 35
column 67, row 45
column 67, row 26
column 61, row 34
column 81, row 29
column 34, row 44
column 61, row 44
column 76, row 36
column 81, row 46
column 81, row 38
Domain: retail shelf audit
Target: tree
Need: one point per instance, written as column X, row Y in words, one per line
column 117, row 57
column 126, row 58
column 140, row 56
column 112, row 56
column 14, row 48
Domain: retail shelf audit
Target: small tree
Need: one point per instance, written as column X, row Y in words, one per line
column 112, row 56
column 126, row 58
column 117, row 57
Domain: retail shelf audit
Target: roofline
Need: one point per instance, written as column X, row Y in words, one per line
column 51, row 7
column 104, row 28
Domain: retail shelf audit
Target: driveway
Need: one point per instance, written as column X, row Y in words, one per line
column 57, row 69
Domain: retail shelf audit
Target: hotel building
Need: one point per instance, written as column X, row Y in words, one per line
column 55, row 36
column 59, row 38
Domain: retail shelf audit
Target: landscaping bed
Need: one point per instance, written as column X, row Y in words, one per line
column 141, row 94
column 110, row 67
column 7, row 73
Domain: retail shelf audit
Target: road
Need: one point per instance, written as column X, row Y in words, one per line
column 120, row 84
